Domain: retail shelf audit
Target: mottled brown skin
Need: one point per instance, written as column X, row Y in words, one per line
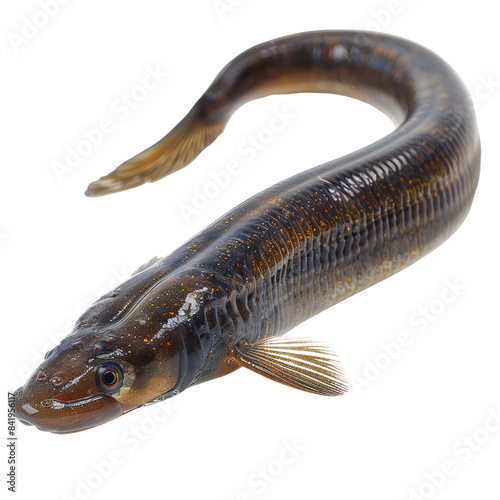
column 293, row 250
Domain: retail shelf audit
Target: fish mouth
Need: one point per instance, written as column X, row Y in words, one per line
column 17, row 395
column 63, row 417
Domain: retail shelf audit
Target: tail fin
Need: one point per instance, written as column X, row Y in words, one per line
column 176, row 150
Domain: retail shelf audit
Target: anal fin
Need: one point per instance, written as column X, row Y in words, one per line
column 300, row 363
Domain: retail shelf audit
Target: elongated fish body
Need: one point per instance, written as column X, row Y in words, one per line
column 225, row 298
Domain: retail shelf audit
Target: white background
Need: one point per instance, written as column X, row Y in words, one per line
column 227, row 439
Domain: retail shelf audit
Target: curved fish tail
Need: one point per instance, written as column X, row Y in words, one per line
column 171, row 153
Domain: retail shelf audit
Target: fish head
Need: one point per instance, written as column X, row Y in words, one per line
column 136, row 345
column 89, row 379
column 63, row 394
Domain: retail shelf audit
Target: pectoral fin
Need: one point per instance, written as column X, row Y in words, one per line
column 301, row 363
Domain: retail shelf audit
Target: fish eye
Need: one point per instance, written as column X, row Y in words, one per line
column 109, row 377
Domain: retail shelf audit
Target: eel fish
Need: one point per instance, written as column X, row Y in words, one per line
column 226, row 297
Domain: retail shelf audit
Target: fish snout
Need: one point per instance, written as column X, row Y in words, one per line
column 22, row 411
column 56, row 415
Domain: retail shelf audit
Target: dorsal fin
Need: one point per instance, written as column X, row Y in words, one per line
column 146, row 265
